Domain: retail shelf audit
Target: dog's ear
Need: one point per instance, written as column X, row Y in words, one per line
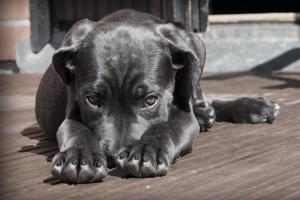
column 64, row 59
column 187, row 53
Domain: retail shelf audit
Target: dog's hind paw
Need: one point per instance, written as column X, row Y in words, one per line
column 78, row 166
column 144, row 160
column 205, row 114
column 255, row 110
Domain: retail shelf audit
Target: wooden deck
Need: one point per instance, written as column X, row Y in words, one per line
column 229, row 162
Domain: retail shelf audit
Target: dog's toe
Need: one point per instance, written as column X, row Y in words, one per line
column 144, row 160
column 256, row 110
column 58, row 163
column 273, row 113
column 269, row 110
column 78, row 166
column 205, row 115
column 100, row 171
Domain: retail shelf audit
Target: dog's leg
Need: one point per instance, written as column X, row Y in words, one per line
column 203, row 110
column 159, row 146
column 251, row 110
column 80, row 158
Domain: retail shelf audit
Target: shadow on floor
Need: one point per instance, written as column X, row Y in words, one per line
column 267, row 69
column 44, row 147
column 278, row 62
column 287, row 81
column 49, row 148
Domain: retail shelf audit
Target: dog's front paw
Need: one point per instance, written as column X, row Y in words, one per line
column 205, row 114
column 77, row 165
column 255, row 110
column 144, row 160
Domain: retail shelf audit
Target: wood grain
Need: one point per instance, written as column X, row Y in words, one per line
column 229, row 162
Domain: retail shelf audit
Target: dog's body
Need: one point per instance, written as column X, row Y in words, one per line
column 133, row 98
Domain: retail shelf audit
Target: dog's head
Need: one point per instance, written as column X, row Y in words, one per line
column 125, row 77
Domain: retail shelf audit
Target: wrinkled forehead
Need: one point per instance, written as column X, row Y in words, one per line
column 125, row 53
column 126, row 46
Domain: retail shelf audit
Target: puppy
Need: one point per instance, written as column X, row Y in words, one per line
column 125, row 92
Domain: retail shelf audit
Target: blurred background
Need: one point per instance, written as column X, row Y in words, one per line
column 240, row 35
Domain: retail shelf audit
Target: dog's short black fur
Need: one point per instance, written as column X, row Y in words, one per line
column 125, row 92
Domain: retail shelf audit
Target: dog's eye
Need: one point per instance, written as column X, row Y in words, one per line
column 93, row 100
column 150, row 101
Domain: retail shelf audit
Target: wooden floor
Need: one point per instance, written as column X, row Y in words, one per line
column 229, row 162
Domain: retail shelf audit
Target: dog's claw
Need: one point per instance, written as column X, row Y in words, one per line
column 203, row 129
column 205, row 115
column 78, row 166
column 144, row 160
column 255, row 110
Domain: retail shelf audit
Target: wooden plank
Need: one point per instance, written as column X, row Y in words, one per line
column 127, row 4
column 80, row 9
column 70, row 11
column 91, row 9
column 140, row 5
column 57, row 12
column 168, row 10
column 113, row 5
column 258, row 161
column 260, row 17
column 40, row 24
column 102, row 8
column 188, row 14
column 179, row 16
column 204, row 13
column 195, row 16
column 154, row 8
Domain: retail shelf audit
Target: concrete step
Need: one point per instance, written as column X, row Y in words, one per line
column 252, row 46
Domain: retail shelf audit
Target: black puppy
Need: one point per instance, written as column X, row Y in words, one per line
column 125, row 92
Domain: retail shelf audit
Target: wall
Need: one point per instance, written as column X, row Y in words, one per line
column 14, row 26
